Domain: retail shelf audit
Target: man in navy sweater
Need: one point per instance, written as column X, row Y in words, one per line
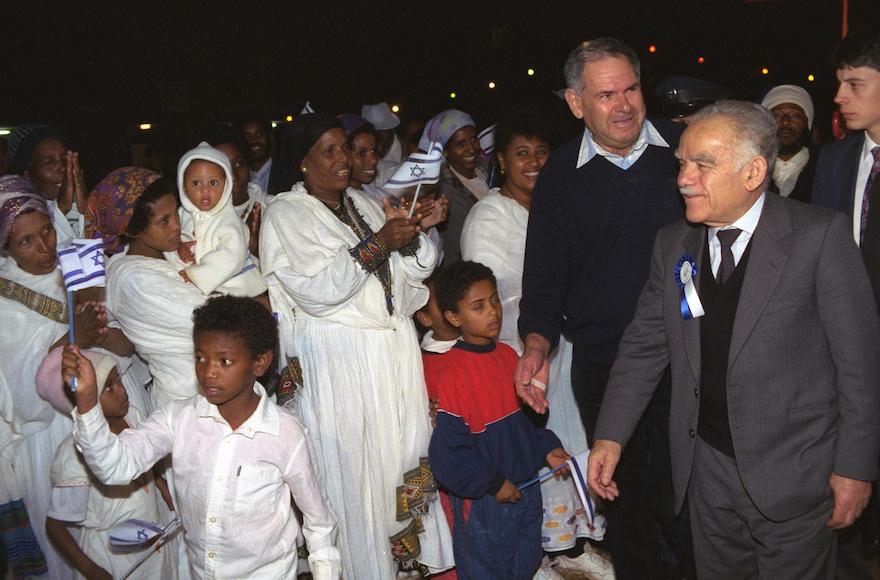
column 597, row 206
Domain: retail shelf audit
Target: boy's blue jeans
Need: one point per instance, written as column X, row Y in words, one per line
column 499, row 540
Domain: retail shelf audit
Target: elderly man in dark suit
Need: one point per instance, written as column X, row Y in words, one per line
column 762, row 308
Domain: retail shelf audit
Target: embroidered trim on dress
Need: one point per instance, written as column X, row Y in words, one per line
column 39, row 303
column 370, row 253
column 412, row 248
column 413, row 501
column 290, row 382
column 350, row 216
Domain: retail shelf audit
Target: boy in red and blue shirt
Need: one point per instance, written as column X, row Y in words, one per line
column 483, row 444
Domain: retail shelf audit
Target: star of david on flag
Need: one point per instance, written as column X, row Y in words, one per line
column 417, row 169
column 82, row 264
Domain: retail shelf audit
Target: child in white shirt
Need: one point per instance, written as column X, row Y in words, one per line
column 238, row 457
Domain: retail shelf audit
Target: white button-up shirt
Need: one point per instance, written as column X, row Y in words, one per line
column 866, row 161
column 649, row 135
column 747, row 223
column 233, row 487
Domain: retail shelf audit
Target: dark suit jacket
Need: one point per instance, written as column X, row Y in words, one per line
column 803, row 379
column 835, row 187
column 836, row 171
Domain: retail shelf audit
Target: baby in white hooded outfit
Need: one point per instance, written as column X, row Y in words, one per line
column 220, row 260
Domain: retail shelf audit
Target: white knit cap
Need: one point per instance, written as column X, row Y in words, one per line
column 791, row 94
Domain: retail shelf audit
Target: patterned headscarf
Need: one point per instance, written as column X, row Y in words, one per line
column 112, row 202
column 17, row 195
column 442, row 126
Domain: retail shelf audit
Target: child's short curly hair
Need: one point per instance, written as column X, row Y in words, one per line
column 243, row 317
column 453, row 283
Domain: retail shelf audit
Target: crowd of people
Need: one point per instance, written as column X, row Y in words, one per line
column 318, row 371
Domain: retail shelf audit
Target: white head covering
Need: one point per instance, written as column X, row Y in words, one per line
column 206, row 153
column 380, row 116
column 442, row 126
column 792, row 94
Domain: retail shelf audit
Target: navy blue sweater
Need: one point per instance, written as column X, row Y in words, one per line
column 588, row 250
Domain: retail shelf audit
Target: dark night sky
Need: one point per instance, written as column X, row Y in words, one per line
column 110, row 62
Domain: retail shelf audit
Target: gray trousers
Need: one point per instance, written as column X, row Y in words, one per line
column 732, row 539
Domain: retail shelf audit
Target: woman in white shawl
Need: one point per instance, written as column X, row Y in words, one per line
column 145, row 294
column 33, row 316
column 344, row 279
column 494, row 234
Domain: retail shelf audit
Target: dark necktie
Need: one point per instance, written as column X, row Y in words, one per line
column 728, row 264
column 870, row 233
column 866, row 200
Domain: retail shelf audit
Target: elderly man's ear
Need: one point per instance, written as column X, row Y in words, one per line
column 755, row 173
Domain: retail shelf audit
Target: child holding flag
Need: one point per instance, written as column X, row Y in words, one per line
column 483, row 445
column 238, row 456
column 78, row 499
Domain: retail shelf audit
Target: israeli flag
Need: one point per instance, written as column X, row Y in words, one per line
column 307, row 108
column 82, row 264
column 487, row 140
column 578, row 465
column 418, row 168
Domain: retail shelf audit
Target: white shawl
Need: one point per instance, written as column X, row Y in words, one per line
column 304, row 255
column 154, row 307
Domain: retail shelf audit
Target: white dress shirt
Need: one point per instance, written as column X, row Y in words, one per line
column 649, row 135
column 233, row 487
column 866, row 161
column 747, row 223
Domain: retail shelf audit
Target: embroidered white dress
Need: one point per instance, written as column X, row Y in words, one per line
column 153, row 306
column 494, row 234
column 363, row 401
column 36, row 427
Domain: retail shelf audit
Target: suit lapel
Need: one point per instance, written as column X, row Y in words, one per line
column 849, row 172
column 693, row 243
column 766, row 262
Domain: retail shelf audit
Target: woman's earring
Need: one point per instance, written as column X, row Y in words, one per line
column 304, row 169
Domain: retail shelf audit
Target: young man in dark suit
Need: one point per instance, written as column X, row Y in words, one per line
column 846, row 181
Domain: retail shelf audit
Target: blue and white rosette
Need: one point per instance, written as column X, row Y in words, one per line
column 685, row 272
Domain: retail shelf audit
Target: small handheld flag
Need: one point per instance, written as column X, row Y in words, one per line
column 132, row 534
column 487, row 140
column 578, row 465
column 82, row 265
column 418, row 168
